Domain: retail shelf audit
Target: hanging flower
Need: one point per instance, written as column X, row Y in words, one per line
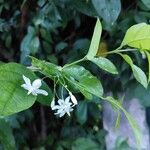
column 34, row 87
column 73, row 99
column 63, row 107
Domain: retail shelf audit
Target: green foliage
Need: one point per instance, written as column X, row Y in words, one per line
column 84, row 144
column 95, row 40
column 137, row 72
column 146, row 3
column 81, row 112
column 105, row 64
column 13, row 98
column 138, row 36
column 83, row 80
column 60, row 32
column 6, row 135
column 108, row 9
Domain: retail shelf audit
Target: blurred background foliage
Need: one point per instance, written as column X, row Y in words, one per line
column 60, row 31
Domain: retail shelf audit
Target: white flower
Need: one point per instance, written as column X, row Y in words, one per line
column 34, row 87
column 143, row 55
column 73, row 99
column 65, row 106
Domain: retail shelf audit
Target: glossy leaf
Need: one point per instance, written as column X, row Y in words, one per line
column 137, row 72
column 108, row 9
column 105, row 64
column 13, row 98
column 138, row 36
column 83, row 80
column 95, row 40
column 6, row 136
column 139, row 75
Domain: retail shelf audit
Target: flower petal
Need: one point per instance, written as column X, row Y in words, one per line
column 25, row 86
column 53, row 103
column 26, row 80
column 67, row 100
column 37, row 83
column 56, row 107
column 60, row 101
column 73, row 98
column 62, row 114
column 43, row 92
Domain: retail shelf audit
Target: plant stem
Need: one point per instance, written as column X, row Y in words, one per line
column 120, row 50
column 75, row 62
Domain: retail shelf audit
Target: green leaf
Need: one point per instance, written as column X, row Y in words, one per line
column 48, row 69
column 138, row 36
column 148, row 57
column 146, row 3
column 25, row 44
column 34, row 45
column 127, row 59
column 131, row 120
column 139, row 75
column 83, row 80
column 137, row 72
column 85, row 7
column 81, row 112
column 95, row 40
column 105, row 64
column 6, row 136
column 108, row 9
column 60, row 46
column 13, row 97
column 85, row 144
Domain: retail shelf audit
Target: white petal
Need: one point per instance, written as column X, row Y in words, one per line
column 27, row 80
column 59, row 111
column 37, row 83
column 60, row 101
column 53, row 103
column 73, row 99
column 68, row 113
column 56, row 107
column 62, row 114
column 29, row 92
column 43, row 92
column 25, row 86
column 67, row 100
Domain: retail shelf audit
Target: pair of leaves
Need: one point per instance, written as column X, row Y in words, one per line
column 101, row 62
column 76, row 75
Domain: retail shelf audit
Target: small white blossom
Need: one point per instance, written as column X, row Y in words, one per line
column 34, row 87
column 63, row 107
column 73, row 99
column 143, row 55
